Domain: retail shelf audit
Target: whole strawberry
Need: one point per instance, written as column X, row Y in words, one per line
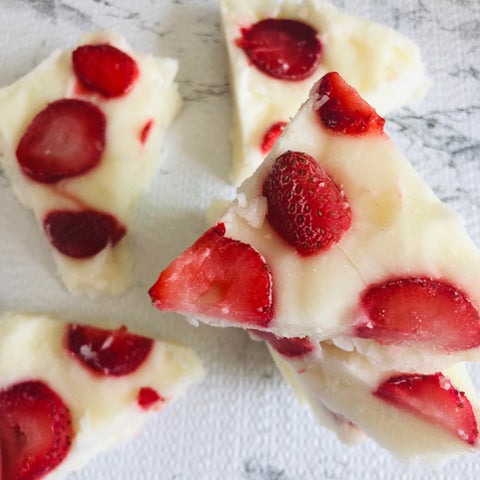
column 305, row 206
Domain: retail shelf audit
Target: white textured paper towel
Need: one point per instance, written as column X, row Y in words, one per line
column 242, row 422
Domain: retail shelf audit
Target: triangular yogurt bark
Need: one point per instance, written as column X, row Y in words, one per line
column 80, row 141
column 278, row 48
column 419, row 418
column 337, row 237
column 71, row 391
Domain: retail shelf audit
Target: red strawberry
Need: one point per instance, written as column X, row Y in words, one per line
column 434, row 398
column 35, row 430
column 419, row 311
column 343, row 110
column 82, row 234
column 65, row 139
column 145, row 132
column 271, row 136
column 284, row 49
column 108, row 352
column 148, row 397
column 217, row 277
column 104, row 69
column 288, row 347
column 305, row 206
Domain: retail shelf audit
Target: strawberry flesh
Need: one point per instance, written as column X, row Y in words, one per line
column 217, row 277
column 283, row 49
column 104, row 69
column 271, row 136
column 434, row 398
column 342, row 110
column 107, row 352
column 82, row 234
column 65, row 139
column 148, row 397
column 305, row 206
column 288, row 347
column 419, row 311
column 35, row 430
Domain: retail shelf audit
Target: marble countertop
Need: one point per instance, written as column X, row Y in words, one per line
column 243, row 422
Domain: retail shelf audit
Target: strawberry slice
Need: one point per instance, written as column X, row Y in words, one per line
column 271, row 135
column 434, row 398
column 82, row 234
column 288, row 347
column 305, row 206
column 283, row 49
column 420, row 312
column 108, row 352
column 35, row 430
column 65, row 139
column 342, row 110
column 148, row 397
column 105, row 69
column 217, row 277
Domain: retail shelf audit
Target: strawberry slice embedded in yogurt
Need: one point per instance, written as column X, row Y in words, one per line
column 65, row 139
column 282, row 48
column 105, row 69
column 217, row 277
column 36, row 430
column 107, row 352
column 82, row 234
column 341, row 109
column 434, row 398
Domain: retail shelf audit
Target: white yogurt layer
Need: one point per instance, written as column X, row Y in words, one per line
column 384, row 66
column 127, row 165
column 104, row 409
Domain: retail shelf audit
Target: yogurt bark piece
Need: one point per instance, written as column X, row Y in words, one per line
column 70, row 391
column 336, row 236
column 279, row 48
column 419, row 418
column 80, row 141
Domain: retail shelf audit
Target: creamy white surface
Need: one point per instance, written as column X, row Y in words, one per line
column 104, row 409
column 383, row 65
column 125, row 170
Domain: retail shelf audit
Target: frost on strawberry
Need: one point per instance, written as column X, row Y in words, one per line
column 282, row 48
column 341, row 109
column 65, row 139
column 105, row 69
column 419, row 311
column 217, row 277
column 434, row 398
column 305, row 206
column 107, row 352
column 36, row 430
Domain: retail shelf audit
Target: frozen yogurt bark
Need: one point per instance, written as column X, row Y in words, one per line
column 336, row 236
column 70, row 391
column 419, row 418
column 279, row 48
column 80, row 141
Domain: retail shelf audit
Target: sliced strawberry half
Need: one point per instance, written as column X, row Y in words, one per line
column 35, row 430
column 217, row 277
column 105, row 69
column 341, row 108
column 288, row 347
column 82, row 234
column 420, row 312
column 65, row 139
column 271, row 135
column 108, row 352
column 434, row 398
column 305, row 206
column 282, row 48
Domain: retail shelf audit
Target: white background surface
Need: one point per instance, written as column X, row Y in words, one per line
column 243, row 422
